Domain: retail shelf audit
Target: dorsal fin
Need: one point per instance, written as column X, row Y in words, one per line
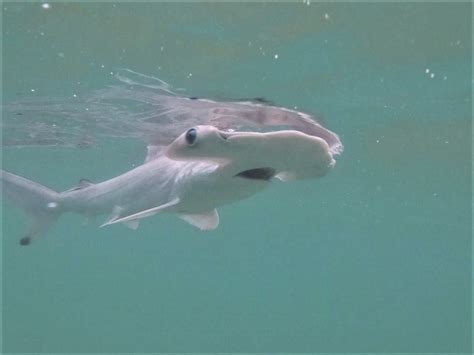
column 82, row 184
column 153, row 151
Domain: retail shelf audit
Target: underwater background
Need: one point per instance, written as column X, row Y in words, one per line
column 374, row 257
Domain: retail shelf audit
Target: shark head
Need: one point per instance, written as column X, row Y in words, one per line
column 286, row 154
column 200, row 142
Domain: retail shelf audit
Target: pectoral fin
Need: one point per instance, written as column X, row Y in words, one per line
column 143, row 214
column 204, row 221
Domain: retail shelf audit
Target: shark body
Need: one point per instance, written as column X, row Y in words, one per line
column 202, row 169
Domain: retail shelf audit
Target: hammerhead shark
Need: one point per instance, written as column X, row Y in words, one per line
column 203, row 168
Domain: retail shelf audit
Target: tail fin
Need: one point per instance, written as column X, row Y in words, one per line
column 40, row 203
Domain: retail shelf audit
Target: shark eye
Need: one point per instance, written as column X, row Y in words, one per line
column 191, row 136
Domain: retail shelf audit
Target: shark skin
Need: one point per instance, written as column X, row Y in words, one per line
column 202, row 169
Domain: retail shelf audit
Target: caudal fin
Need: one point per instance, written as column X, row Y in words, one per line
column 40, row 203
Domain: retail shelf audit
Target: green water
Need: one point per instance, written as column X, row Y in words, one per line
column 375, row 257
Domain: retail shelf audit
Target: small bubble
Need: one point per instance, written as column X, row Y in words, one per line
column 74, row 95
column 102, row 66
column 275, row 56
column 378, row 141
column 432, row 75
column 190, row 75
column 33, row 90
column 45, row 6
column 52, row 204
column 427, row 70
column 326, row 16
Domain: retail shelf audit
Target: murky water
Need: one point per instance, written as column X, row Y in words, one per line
column 374, row 257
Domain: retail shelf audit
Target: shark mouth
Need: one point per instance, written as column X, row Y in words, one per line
column 264, row 174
